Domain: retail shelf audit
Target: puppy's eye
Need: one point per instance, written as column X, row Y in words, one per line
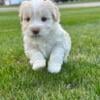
column 27, row 19
column 44, row 19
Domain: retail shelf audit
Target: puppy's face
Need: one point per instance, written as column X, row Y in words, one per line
column 38, row 17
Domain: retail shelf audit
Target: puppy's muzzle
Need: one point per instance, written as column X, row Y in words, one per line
column 35, row 31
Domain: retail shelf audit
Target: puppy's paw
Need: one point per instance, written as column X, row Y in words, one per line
column 31, row 62
column 54, row 68
column 39, row 64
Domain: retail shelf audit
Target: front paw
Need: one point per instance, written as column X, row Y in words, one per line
column 38, row 64
column 54, row 68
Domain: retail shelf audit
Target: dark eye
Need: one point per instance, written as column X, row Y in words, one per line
column 44, row 19
column 27, row 19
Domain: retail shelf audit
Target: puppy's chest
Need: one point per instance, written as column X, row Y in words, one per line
column 45, row 46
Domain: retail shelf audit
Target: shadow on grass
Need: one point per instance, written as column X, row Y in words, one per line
column 44, row 79
column 72, row 74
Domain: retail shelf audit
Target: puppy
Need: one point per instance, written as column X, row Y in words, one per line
column 43, row 36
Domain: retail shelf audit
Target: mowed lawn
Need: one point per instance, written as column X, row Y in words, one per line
column 79, row 78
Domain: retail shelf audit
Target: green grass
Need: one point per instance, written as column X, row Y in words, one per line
column 79, row 78
column 80, row 1
column 88, row 0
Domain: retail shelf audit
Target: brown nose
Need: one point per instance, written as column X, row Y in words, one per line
column 35, row 31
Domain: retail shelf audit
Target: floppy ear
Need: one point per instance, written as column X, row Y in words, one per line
column 20, row 15
column 23, row 4
column 20, row 11
column 56, row 14
column 53, row 9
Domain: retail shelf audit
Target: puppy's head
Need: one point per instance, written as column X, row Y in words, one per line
column 38, row 17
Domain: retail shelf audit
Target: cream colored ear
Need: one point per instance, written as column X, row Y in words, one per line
column 20, row 11
column 21, row 8
column 56, row 14
column 20, row 14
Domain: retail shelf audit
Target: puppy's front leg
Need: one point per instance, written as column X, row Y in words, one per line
column 56, row 60
column 37, row 60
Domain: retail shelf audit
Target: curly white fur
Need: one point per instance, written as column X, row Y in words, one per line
column 52, row 42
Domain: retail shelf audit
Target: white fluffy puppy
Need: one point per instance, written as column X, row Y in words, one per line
column 43, row 36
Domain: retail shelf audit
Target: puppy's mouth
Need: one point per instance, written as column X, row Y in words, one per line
column 36, row 35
